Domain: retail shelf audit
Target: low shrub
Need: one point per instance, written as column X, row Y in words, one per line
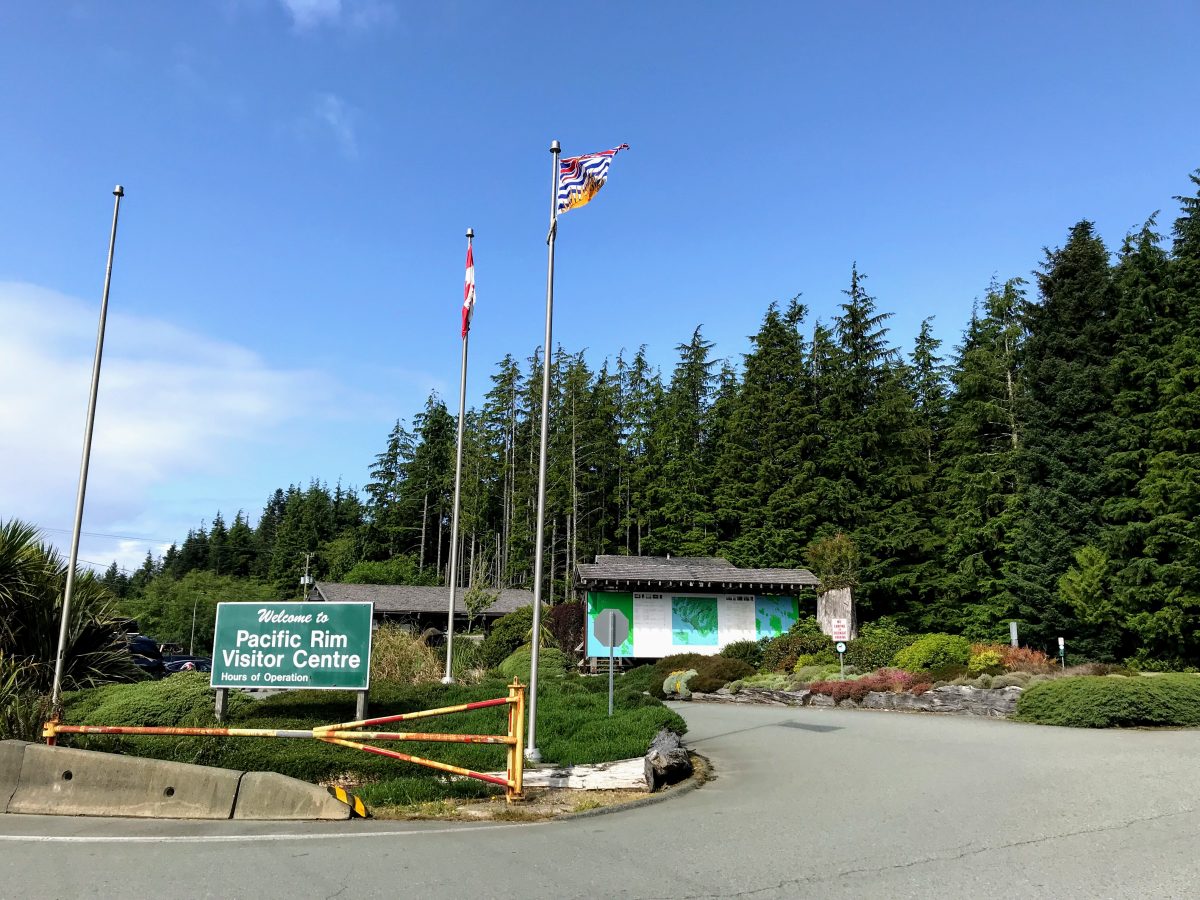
column 1012, row 679
column 552, row 663
column 780, row 654
column 643, row 679
column 716, row 672
column 1143, row 662
column 805, row 674
column 1026, row 659
column 896, row 681
column 934, row 651
column 877, row 645
column 824, row 658
column 771, row 681
column 1095, row 668
column 679, row 662
column 749, row 652
column 507, row 634
column 1100, row 702
column 986, row 658
column 573, row 725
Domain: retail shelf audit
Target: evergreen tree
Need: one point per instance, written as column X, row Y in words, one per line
column 981, row 484
column 1072, row 339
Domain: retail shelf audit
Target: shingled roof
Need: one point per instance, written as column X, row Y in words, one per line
column 653, row 572
column 403, row 598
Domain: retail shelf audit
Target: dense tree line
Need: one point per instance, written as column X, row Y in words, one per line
column 1044, row 470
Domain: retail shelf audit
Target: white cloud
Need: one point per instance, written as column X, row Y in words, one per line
column 356, row 15
column 334, row 114
column 311, row 13
column 173, row 406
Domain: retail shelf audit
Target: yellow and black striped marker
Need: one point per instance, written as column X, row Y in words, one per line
column 356, row 806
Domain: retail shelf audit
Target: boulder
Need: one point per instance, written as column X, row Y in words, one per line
column 666, row 761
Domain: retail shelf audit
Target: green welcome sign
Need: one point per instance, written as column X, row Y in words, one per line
column 322, row 646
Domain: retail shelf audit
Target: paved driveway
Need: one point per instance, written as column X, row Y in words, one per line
column 807, row 803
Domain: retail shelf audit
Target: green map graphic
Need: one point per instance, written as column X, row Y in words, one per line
column 694, row 621
column 774, row 616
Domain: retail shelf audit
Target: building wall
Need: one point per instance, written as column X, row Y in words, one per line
column 663, row 623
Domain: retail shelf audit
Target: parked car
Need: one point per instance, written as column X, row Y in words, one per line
column 184, row 663
column 146, row 655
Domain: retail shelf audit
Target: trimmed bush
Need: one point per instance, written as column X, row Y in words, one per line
column 507, row 634
column 1025, row 659
column 824, row 658
column 805, row 637
column 642, row 679
column 986, row 658
column 749, row 652
column 716, row 672
column 934, row 651
column 573, row 725
column 894, row 680
column 1103, row 702
column 877, row 645
column 552, row 663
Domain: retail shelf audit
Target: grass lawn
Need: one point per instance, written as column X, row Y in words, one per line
column 573, row 727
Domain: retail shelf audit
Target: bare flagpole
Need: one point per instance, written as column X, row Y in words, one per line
column 448, row 678
column 532, row 753
column 65, row 628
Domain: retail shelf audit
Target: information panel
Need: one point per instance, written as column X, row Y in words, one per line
column 322, row 646
column 669, row 622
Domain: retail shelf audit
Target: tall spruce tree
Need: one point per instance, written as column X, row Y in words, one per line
column 980, row 485
column 1072, row 339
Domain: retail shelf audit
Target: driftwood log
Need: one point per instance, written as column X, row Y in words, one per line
column 666, row 761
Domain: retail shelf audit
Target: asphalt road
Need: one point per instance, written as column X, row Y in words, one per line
column 807, row 803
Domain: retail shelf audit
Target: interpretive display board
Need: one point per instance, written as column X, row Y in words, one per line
column 665, row 623
column 324, row 646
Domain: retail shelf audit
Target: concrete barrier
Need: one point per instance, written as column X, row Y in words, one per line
column 11, row 753
column 269, row 795
column 64, row 781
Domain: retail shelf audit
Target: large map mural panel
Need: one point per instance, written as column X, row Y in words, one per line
column 694, row 621
column 774, row 616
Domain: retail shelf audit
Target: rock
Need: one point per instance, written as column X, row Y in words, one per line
column 820, row 700
column 997, row 704
column 666, row 761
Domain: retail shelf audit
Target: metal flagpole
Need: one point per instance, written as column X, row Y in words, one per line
column 448, row 678
column 64, row 627
column 532, row 753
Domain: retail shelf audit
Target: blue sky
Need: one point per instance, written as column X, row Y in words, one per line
column 299, row 175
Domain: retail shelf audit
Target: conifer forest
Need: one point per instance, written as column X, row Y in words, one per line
column 1044, row 469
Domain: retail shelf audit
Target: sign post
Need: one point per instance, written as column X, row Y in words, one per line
column 1062, row 652
column 610, row 628
column 315, row 646
column 841, row 649
column 841, row 634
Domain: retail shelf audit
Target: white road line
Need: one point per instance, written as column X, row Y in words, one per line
column 241, row 838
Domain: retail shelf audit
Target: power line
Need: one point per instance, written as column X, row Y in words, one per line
column 126, row 537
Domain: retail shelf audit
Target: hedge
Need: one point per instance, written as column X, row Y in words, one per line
column 1093, row 701
column 573, row 725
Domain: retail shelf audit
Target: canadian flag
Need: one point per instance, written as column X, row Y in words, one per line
column 468, row 293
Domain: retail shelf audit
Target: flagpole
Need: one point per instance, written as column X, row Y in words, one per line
column 68, row 589
column 532, row 753
column 448, row 678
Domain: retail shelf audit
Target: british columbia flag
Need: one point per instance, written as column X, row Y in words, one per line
column 581, row 177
